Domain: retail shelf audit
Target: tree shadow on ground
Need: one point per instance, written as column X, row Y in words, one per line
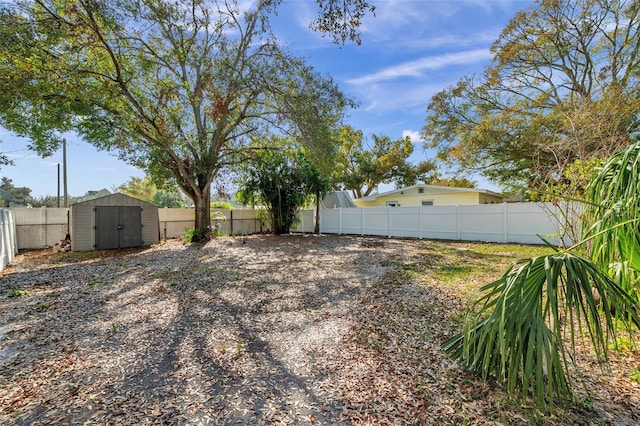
column 188, row 335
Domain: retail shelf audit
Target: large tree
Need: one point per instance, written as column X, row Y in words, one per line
column 174, row 87
column 361, row 168
column 563, row 87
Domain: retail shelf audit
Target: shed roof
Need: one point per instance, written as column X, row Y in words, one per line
column 432, row 189
column 108, row 199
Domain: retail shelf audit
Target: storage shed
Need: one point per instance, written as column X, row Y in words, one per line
column 111, row 222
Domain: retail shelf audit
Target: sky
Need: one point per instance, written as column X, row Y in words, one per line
column 410, row 50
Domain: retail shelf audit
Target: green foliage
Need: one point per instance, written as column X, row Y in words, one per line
column 635, row 375
column 281, row 180
column 172, row 87
column 361, row 170
column 166, row 195
column 516, row 329
column 141, row 188
column 16, row 293
column 192, row 236
column 452, row 181
column 522, row 329
column 11, row 196
column 562, row 87
column 611, row 218
column 576, row 178
column 342, row 18
column 221, row 205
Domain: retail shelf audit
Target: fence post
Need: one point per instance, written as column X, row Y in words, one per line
column 46, row 225
column 505, row 223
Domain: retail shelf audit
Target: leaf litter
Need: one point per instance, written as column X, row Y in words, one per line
column 262, row 330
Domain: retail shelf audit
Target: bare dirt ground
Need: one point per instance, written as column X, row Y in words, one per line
column 256, row 330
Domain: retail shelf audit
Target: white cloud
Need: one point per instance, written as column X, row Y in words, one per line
column 418, row 67
column 399, row 97
column 414, row 135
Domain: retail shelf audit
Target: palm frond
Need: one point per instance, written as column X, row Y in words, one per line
column 523, row 328
column 611, row 221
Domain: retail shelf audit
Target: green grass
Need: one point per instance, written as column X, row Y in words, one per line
column 450, row 273
column 17, row 293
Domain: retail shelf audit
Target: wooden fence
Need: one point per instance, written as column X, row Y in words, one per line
column 174, row 222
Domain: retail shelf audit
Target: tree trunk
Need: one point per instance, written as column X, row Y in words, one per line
column 316, row 228
column 203, row 217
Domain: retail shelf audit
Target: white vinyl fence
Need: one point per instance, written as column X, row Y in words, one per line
column 8, row 240
column 505, row 223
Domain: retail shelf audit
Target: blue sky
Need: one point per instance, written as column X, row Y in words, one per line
column 410, row 50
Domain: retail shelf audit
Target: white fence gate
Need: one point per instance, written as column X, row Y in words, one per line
column 8, row 240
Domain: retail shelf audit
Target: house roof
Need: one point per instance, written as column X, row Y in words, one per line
column 337, row 199
column 431, row 189
column 92, row 195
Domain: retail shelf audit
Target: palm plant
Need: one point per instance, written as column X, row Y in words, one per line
column 522, row 329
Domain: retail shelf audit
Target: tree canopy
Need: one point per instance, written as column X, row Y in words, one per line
column 361, row 168
column 342, row 18
column 167, row 195
column 174, row 88
column 11, row 195
column 563, row 86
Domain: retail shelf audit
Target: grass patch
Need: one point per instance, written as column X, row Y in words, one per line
column 17, row 293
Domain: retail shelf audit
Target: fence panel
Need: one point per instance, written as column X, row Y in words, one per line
column 306, row 221
column 439, row 223
column 404, row 222
column 375, row 221
column 40, row 227
column 174, row 222
column 8, row 240
column 507, row 223
column 483, row 222
column 513, row 223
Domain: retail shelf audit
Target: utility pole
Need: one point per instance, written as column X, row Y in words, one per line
column 64, row 169
column 58, row 202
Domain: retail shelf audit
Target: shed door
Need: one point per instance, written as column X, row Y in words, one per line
column 118, row 227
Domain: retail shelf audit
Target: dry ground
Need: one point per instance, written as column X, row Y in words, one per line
column 263, row 330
